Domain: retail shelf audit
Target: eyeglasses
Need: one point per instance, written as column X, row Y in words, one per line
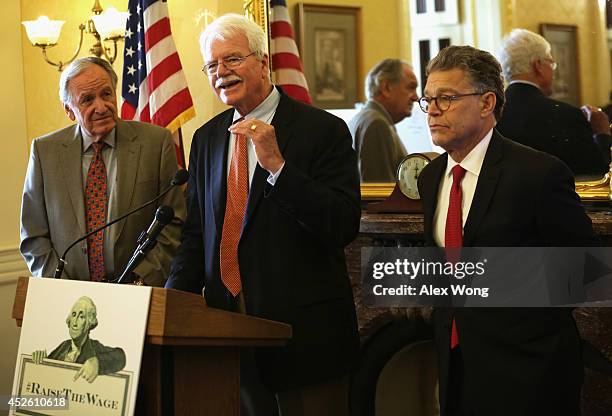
column 443, row 102
column 230, row 62
column 552, row 63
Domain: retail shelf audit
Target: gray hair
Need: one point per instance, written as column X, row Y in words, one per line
column 390, row 70
column 76, row 67
column 481, row 67
column 232, row 24
column 91, row 316
column 519, row 50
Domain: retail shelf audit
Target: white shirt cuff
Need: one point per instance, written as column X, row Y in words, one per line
column 273, row 177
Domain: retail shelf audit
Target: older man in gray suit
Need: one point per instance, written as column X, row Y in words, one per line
column 391, row 91
column 83, row 175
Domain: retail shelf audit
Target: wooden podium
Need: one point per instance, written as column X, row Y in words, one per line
column 191, row 359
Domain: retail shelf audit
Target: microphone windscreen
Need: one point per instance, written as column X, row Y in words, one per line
column 164, row 214
column 180, row 177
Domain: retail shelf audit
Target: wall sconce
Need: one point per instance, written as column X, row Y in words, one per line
column 104, row 25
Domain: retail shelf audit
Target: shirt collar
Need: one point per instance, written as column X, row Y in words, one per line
column 263, row 111
column 522, row 81
column 381, row 108
column 88, row 140
column 473, row 161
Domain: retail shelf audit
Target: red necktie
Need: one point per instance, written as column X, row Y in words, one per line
column 235, row 207
column 95, row 202
column 453, row 233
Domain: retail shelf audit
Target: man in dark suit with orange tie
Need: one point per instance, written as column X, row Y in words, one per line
column 488, row 191
column 273, row 199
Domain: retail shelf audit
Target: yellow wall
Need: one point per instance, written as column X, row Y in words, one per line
column 13, row 161
column 44, row 110
column 379, row 17
column 187, row 17
column 13, row 157
column 588, row 15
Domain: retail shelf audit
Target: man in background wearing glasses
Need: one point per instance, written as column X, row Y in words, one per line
column 488, row 191
column 580, row 139
column 273, row 199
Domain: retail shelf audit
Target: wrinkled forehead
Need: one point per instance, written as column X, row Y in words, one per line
column 217, row 47
column 80, row 306
column 452, row 81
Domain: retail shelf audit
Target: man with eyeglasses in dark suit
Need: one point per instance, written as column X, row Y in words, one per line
column 273, row 199
column 488, row 191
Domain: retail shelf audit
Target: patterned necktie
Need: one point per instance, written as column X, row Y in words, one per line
column 453, row 233
column 235, row 207
column 95, row 202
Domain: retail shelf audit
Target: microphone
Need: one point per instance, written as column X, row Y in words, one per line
column 180, row 177
column 148, row 239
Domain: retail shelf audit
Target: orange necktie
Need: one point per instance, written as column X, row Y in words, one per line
column 453, row 232
column 95, row 204
column 235, row 207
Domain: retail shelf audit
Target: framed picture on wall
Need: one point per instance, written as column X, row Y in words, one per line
column 564, row 48
column 328, row 38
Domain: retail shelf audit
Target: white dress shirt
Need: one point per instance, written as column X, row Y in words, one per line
column 472, row 163
column 263, row 112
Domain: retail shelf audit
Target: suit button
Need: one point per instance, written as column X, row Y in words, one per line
column 84, row 249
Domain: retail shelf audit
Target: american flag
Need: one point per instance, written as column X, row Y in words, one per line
column 154, row 87
column 287, row 67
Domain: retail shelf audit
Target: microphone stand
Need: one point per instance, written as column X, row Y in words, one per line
column 62, row 260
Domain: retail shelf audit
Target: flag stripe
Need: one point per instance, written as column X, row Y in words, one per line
column 284, row 45
column 157, row 32
column 154, row 12
column 127, row 110
column 154, row 86
column 286, row 60
column 169, row 111
column 163, row 70
column 166, row 91
column 281, row 13
column 281, row 28
column 297, row 92
column 159, row 52
column 287, row 69
column 290, row 76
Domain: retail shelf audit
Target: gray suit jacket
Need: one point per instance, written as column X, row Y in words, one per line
column 53, row 204
column 377, row 144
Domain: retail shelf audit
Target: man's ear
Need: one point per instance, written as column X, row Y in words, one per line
column 537, row 67
column 69, row 112
column 266, row 66
column 487, row 103
column 385, row 88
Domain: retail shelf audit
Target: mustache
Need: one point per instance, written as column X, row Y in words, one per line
column 225, row 80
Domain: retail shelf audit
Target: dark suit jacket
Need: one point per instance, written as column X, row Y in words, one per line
column 291, row 251
column 553, row 127
column 110, row 360
column 523, row 361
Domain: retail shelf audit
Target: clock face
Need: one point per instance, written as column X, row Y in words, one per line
column 408, row 172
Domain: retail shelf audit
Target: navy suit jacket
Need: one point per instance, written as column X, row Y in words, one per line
column 291, row 250
column 518, row 361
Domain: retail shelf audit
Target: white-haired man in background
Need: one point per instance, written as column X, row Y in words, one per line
column 391, row 90
column 581, row 139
